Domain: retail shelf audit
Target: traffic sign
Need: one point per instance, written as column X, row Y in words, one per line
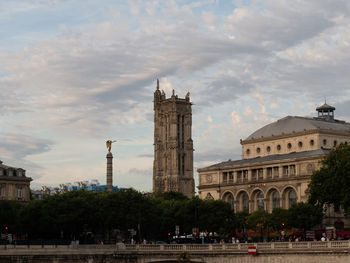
column 252, row 250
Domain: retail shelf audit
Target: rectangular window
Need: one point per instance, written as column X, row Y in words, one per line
column 19, row 192
column 230, row 177
column 183, row 164
column 183, row 132
column 285, row 171
column 254, row 172
column 269, row 172
column 260, row 174
column 275, row 172
column 178, row 131
column 239, row 176
column 292, row 170
column 245, row 175
column 224, row 177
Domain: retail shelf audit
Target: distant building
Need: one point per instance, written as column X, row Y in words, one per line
column 93, row 186
column 277, row 163
column 14, row 185
column 173, row 145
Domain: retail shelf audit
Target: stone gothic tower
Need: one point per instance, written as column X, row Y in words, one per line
column 173, row 145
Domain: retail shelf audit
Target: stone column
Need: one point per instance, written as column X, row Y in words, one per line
column 264, row 173
column 109, row 171
column 249, row 175
column 280, row 171
column 234, row 177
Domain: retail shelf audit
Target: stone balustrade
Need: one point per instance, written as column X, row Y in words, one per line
column 239, row 247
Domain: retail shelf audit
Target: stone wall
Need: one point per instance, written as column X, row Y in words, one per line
column 301, row 252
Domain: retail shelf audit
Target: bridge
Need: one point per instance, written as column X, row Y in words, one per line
column 274, row 252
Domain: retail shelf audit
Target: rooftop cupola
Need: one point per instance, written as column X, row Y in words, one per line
column 325, row 112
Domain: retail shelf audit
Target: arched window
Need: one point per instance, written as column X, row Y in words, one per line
column 245, row 202
column 229, row 199
column 275, row 200
column 260, row 200
column 292, row 198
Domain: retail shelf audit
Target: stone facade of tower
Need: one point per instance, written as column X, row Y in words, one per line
column 173, row 145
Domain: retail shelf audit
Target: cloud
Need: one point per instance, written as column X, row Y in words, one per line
column 94, row 75
column 236, row 119
column 274, row 106
column 16, row 148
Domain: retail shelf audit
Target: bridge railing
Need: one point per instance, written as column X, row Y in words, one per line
column 314, row 245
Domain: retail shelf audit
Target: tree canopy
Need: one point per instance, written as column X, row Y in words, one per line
column 331, row 184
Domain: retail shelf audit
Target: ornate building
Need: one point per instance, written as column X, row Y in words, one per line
column 14, row 185
column 277, row 163
column 173, row 145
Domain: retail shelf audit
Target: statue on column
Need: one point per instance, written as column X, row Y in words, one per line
column 109, row 145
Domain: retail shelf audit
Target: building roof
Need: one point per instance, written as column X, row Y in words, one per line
column 292, row 124
column 325, row 106
column 274, row 157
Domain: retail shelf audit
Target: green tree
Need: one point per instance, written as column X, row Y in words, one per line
column 10, row 216
column 279, row 219
column 259, row 220
column 331, row 184
column 304, row 215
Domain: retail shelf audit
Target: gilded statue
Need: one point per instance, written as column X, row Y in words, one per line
column 109, row 145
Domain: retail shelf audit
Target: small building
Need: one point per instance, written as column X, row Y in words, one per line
column 277, row 163
column 14, row 185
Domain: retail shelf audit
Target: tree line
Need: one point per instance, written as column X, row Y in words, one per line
column 88, row 216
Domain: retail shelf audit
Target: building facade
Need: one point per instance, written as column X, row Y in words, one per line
column 14, row 185
column 173, row 145
column 277, row 163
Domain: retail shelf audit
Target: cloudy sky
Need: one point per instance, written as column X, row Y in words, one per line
column 74, row 73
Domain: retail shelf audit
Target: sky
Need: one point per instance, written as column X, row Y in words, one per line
column 75, row 73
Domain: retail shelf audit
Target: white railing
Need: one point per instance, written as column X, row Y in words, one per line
column 242, row 246
column 239, row 247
